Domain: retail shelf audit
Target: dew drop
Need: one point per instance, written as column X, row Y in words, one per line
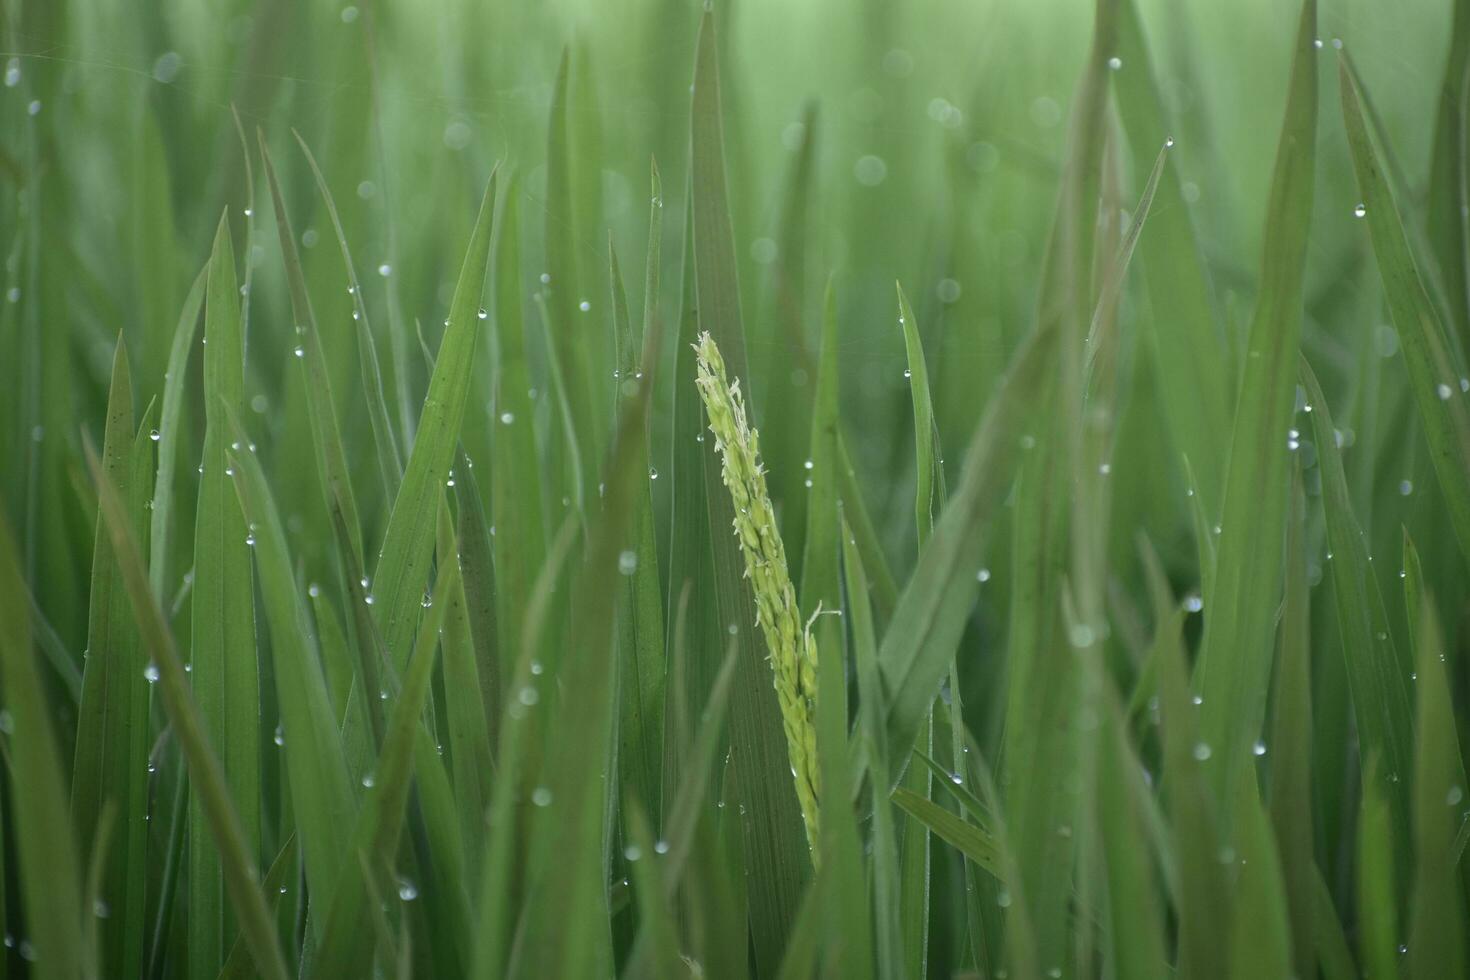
column 150, row 673
column 1360, row 211
column 541, row 796
column 155, row 435
column 627, row 562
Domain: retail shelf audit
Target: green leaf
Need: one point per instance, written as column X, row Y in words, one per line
column 315, row 763
column 1436, row 913
column 1235, row 658
column 1183, row 335
column 50, row 869
column 408, row 542
column 161, row 524
column 1444, row 414
column 931, row 612
column 1135, row 909
column 109, row 770
column 321, row 410
column 1376, row 670
column 568, row 330
column 374, row 837
column 390, row 463
column 870, row 734
column 1377, row 891
column 224, row 675
column 640, row 627
column 209, row 787
column 1290, row 742
column 464, row 705
column 1260, row 936
column 930, row 477
column 974, row 843
column 519, row 545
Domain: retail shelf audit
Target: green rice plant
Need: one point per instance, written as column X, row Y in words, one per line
column 369, row 602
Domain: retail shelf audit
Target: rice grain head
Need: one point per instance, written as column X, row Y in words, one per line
column 792, row 650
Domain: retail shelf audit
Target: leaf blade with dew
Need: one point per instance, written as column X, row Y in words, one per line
column 566, row 894
column 320, row 409
column 208, row 782
column 569, row 340
column 1260, row 937
column 1290, row 746
column 481, row 587
column 1248, row 571
column 1184, row 337
column 170, row 421
column 888, row 941
column 771, row 826
column 1194, row 834
column 928, row 495
column 1376, row 669
column 843, row 930
column 932, row 609
column 50, row 870
column 690, row 571
column 929, row 475
column 315, row 763
column 1439, row 395
column 375, row 834
column 408, row 541
column 1377, row 891
column 390, row 463
column 519, row 544
column 109, row 765
column 1436, row 908
column 225, row 675
column 464, row 705
column 1135, row 907
column 640, row 626
column 975, row 844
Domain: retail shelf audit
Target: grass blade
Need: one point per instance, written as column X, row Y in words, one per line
column 315, row 763
column 109, row 768
column 1444, row 415
column 408, row 542
column 320, row 408
column 390, row 463
column 519, row 544
column 1436, row 911
column 640, row 627
column 169, row 423
column 1235, row 665
column 931, row 612
column 209, row 787
column 1290, row 744
column 225, row 675
column 50, row 870
column 1376, row 669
